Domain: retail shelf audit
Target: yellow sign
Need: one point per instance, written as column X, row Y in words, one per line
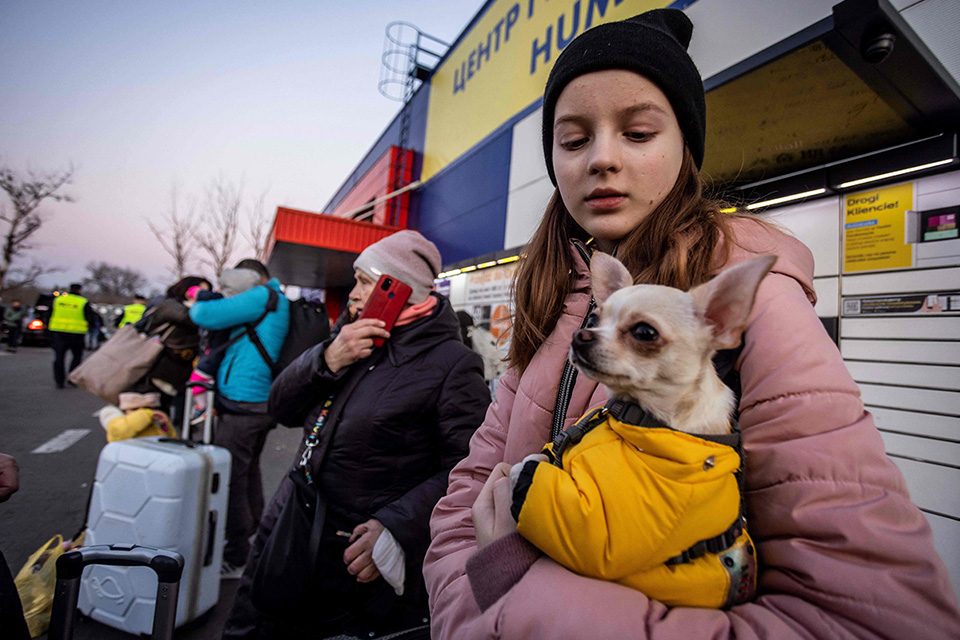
column 874, row 229
column 500, row 68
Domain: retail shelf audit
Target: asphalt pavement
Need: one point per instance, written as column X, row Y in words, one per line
column 56, row 442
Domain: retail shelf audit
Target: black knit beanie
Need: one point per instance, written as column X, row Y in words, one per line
column 654, row 44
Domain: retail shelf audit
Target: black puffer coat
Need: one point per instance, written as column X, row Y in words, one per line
column 406, row 415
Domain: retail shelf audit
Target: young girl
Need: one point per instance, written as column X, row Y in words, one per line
column 843, row 551
column 137, row 416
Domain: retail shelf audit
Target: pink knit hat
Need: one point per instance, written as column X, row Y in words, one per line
column 408, row 257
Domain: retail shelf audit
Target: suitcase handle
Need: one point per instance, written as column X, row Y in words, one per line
column 168, row 565
column 211, row 538
column 206, row 386
column 208, row 389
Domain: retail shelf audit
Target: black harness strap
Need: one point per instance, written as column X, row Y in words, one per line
column 251, row 332
column 715, row 544
column 568, row 379
column 632, row 413
column 623, row 410
column 575, row 434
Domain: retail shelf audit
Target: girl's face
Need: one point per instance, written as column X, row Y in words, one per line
column 617, row 151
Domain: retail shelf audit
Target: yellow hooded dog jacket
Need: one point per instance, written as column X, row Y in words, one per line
column 638, row 503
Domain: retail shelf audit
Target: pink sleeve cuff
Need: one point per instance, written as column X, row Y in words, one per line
column 494, row 570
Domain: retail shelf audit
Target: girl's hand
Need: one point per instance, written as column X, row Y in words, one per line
column 491, row 510
column 353, row 343
column 161, row 421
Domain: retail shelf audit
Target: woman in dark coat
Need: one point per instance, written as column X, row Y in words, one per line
column 181, row 339
column 401, row 417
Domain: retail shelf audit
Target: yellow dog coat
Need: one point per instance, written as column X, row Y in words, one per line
column 630, row 500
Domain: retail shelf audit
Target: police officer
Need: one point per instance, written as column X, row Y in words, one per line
column 133, row 312
column 69, row 318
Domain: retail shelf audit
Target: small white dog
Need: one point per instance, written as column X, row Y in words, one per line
column 653, row 344
column 645, row 491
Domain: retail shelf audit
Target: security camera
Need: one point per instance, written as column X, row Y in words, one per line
column 877, row 47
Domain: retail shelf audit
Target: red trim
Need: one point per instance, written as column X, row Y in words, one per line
column 382, row 178
column 402, row 207
column 374, row 184
column 324, row 231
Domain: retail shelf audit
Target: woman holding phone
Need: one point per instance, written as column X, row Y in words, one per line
column 394, row 419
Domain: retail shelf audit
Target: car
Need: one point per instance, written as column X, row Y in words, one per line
column 34, row 331
column 35, row 322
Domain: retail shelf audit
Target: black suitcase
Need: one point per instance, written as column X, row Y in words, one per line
column 168, row 565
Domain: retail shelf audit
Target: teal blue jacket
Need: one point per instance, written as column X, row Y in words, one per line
column 243, row 375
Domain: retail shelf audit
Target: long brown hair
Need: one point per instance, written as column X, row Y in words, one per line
column 676, row 245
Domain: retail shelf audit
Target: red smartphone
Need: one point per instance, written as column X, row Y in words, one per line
column 386, row 302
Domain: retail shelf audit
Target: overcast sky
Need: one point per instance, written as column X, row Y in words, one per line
column 139, row 95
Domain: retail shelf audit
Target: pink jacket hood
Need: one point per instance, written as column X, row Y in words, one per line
column 794, row 259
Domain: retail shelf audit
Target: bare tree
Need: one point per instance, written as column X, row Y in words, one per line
column 177, row 233
column 217, row 236
column 258, row 226
column 27, row 277
column 113, row 282
column 24, row 219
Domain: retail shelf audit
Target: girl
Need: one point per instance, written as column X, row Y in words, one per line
column 843, row 552
column 137, row 415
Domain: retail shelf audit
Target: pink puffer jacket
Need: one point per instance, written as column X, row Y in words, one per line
column 843, row 551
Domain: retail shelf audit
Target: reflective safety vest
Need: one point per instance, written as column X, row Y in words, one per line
column 132, row 314
column 67, row 314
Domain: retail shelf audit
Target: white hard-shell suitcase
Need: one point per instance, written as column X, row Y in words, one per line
column 163, row 493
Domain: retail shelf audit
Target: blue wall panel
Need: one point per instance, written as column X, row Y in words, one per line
column 463, row 209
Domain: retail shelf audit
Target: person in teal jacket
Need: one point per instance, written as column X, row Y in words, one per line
column 243, row 387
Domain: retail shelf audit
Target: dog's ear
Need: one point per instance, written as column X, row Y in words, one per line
column 725, row 302
column 607, row 274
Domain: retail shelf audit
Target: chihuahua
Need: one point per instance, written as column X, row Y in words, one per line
column 653, row 344
column 645, row 491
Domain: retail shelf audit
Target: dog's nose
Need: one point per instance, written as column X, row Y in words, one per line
column 583, row 335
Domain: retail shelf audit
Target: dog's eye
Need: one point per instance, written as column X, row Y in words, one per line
column 592, row 320
column 644, row 332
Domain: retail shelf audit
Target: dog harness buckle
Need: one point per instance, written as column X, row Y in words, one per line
column 575, row 434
